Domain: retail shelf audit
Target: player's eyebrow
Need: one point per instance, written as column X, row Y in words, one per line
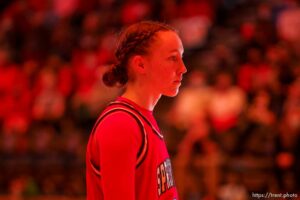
column 176, row 51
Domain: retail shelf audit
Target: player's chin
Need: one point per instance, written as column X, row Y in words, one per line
column 171, row 93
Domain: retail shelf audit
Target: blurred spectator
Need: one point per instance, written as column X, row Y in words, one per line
column 90, row 98
column 15, row 95
column 190, row 106
column 259, row 110
column 287, row 157
column 71, row 140
column 194, row 18
column 198, row 153
column 260, row 127
column 232, row 189
column 192, row 8
column 226, row 104
column 63, row 40
column 255, row 73
column 193, row 31
column 65, row 8
column 291, row 109
column 43, row 140
column 135, row 10
column 288, row 25
column 49, row 103
column 225, row 58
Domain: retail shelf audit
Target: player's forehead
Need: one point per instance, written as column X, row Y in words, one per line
column 168, row 42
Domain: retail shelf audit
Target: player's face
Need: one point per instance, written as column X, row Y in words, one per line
column 165, row 65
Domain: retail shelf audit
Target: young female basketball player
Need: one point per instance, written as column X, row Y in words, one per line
column 126, row 155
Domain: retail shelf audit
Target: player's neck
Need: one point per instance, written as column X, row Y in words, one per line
column 141, row 96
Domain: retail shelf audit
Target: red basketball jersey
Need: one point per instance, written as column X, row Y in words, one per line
column 127, row 157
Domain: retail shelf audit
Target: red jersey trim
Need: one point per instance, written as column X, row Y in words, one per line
column 144, row 147
column 144, row 118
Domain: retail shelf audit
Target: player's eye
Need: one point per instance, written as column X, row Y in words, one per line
column 173, row 58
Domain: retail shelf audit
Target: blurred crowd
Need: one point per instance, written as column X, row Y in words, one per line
column 233, row 129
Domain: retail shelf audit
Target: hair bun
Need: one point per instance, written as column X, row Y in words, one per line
column 117, row 74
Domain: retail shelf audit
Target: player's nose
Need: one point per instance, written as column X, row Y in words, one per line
column 182, row 67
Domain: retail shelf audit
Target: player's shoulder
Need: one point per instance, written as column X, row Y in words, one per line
column 117, row 117
column 116, row 125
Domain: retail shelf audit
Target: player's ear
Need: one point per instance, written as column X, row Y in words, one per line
column 138, row 63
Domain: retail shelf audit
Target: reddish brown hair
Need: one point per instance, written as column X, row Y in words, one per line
column 134, row 40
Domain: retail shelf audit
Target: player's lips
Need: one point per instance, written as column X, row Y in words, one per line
column 178, row 81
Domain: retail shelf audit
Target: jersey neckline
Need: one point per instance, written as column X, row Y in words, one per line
column 121, row 98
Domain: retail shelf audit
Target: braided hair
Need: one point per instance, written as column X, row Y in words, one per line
column 134, row 40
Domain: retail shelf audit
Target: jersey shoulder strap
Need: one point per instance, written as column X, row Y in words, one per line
column 112, row 108
column 129, row 106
